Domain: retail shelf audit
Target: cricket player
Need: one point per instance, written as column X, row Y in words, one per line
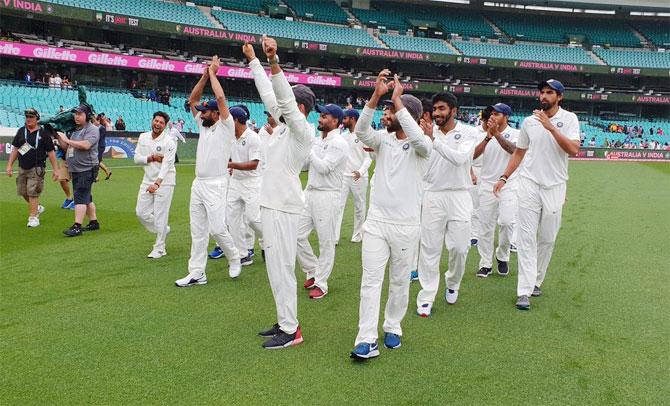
column 495, row 151
column 245, row 184
column 391, row 231
column 545, row 141
column 327, row 160
column 475, row 170
column 446, row 209
column 156, row 151
column 208, row 191
column 281, row 196
column 355, row 180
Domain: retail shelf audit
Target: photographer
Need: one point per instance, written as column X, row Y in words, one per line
column 82, row 159
column 32, row 149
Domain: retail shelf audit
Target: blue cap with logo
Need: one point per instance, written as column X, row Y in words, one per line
column 239, row 114
column 207, row 105
column 352, row 113
column 552, row 83
column 332, row 109
column 502, row 108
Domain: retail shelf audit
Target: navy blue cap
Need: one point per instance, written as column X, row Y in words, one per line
column 502, row 108
column 332, row 109
column 351, row 113
column 239, row 114
column 207, row 105
column 82, row 108
column 554, row 84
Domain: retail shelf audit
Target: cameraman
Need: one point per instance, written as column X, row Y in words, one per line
column 82, row 159
column 32, row 147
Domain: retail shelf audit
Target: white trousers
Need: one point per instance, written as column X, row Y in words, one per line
column 539, row 221
column 280, row 236
column 243, row 212
column 153, row 209
column 358, row 190
column 495, row 210
column 208, row 216
column 445, row 219
column 381, row 242
column 321, row 214
column 474, row 194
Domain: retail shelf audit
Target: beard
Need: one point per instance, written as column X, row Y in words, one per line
column 546, row 106
column 392, row 126
column 207, row 122
column 322, row 128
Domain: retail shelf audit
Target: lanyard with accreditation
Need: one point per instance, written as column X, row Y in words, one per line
column 26, row 146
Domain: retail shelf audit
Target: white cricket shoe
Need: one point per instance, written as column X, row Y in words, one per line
column 235, row 269
column 40, row 209
column 33, row 221
column 451, row 296
column 357, row 238
column 155, row 254
column 192, row 279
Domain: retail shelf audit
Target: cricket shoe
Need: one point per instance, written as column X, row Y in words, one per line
column 155, row 254
column 392, row 341
column 424, row 310
column 309, row 283
column 365, row 351
column 484, row 272
column 191, row 279
column 33, row 221
column 523, row 303
column 503, row 268
column 414, row 275
column 217, row 253
column 317, row 293
column 284, row 340
column 451, row 296
column 271, row 332
column 234, row 269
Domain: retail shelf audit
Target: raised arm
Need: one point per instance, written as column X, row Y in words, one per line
column 363, row 129
column 412, row 129
column 217, row 89
column 196, row 93
column 263, row 83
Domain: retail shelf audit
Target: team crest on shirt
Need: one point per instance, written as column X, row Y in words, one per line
column 559, row 124
column 356, row 140
column 457, row 136
column 506, row 135
column 244, row 142
column 405, row 146
column 158, row 148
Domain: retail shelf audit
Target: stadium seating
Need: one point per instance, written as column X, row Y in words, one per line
column 657, row 31
column 546, row 28
column 153, row 9
column 545, row 53
column 375, row 18
column 637, row 59
column 406, row 43
column 249, row 6
column 294, row 29
column 318, row 10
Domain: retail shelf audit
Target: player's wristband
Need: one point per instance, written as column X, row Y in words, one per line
column 487, row 139
column 274, row 61
column 503, row 178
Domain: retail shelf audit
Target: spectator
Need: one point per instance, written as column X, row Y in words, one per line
column 58, row 81
column 165, row 96
column 659, row 131
column 32, row 150
column 66, row 83
column 120, row 125
column 51, row 80
column 28, row 78
column 592, row 143
column 152, row 95
column 60, row 109
column 651, row 130
column 180, row 125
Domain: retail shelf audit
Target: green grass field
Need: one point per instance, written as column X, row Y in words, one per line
column 92, row 320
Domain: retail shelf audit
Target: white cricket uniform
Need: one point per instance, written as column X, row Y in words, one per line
column 326, row 163
column 153, row 209
column 391, row 230
column 208, row 193
column 281, row 198
column 541, row 186
column 357, row 160
column 474, row 189
column 502, row 209
column 446, row 210
column 243, row 192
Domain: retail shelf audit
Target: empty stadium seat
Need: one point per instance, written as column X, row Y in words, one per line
column 319, row 10
column 405, row 43
column 637, row 59
column 153, row 9
column 658, row 32
column 375, row 18
column 544, row 53
column 294, row 29
column 249, row 6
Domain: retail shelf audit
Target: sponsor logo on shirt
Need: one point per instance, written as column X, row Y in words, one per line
column 457, row 136
column 405, row 146
column 559, row 124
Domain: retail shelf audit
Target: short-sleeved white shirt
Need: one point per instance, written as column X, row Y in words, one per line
column 214, row 148
column 247, row 148
column 495, row 158
column 545, row 162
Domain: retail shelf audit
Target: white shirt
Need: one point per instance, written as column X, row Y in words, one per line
column 164, row 145
column 545, row 162
column 481, row 134
column 357, row 158
column 327, row 160
column 401, row 165
column 289, row 147
column 246, row 148
column 174, row 132
column 214, row 148
column 495, row 158
column 450, row 162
